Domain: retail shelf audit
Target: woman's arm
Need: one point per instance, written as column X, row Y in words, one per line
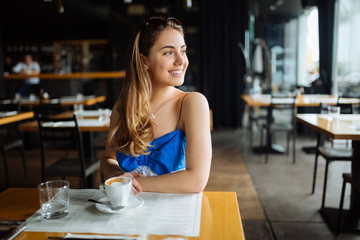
column 109, row 165
column 195, row 121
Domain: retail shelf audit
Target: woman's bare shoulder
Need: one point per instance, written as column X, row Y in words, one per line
column 195, row 99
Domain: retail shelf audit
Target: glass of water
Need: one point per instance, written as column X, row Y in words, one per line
column 54, row 198
column 334, row 112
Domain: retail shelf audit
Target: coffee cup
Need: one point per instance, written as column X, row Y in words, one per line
column 117, row 190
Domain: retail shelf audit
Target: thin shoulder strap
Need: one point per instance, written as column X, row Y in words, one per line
column 182, row 100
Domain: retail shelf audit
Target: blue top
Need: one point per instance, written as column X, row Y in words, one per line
column 167, row 154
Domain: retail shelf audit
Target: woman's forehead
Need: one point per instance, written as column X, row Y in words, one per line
column 171, row 37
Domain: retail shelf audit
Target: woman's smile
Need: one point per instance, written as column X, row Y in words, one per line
column 177, row 73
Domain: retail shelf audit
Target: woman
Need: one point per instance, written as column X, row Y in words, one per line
column 154, row 126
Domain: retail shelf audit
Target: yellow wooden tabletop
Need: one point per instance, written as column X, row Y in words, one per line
column 220, row 216
column 309, row 100
column 87, row 101
column 346, row 126
column 16, row 117
column 65, row 101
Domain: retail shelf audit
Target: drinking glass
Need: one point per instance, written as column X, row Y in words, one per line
column 54, row 198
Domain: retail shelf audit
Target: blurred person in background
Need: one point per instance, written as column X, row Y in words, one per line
column 28, row 67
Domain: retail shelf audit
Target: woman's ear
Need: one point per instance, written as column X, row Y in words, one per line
column 144, row 61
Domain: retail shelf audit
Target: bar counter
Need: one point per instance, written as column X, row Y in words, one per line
column 68, row 76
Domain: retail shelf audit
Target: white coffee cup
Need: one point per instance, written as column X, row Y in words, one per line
column 117, row 190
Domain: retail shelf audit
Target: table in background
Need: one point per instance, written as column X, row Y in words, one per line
column 87, row 130
column 220, row 215
column 16, row 117
column 306, row 100
column 63, row 101
column 33, row 125
column 12, row 118
column 346, row 126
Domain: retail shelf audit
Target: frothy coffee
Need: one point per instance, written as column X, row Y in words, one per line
column 115, row 182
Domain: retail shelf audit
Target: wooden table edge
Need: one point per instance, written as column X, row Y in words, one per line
column 18, row 117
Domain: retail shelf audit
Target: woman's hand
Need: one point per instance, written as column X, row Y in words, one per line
column 136, row 185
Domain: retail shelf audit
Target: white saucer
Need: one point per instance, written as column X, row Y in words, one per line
column 134, row 202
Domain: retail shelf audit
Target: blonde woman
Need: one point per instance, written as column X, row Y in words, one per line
column 159, row 135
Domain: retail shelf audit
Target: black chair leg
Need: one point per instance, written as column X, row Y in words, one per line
column 325, row 183
column 267, row 145
column 294, row 149
column 341, row 207
column 288, row 144
column 250, row 129
column 315, row 170
column 24, row 160
column 9, row 146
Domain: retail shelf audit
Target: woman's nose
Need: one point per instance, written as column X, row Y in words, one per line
column 179, row 59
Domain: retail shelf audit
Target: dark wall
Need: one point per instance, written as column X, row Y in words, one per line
column 216, row 68
column 326, row 10
column 223, row 24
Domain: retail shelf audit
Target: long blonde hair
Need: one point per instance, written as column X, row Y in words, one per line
column 134, row 130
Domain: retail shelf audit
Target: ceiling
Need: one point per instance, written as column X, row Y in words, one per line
column 276, row 9
column 24, row 19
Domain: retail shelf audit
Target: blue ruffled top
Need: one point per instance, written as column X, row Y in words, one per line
column 167, row 154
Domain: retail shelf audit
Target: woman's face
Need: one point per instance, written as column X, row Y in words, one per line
column 167, row 61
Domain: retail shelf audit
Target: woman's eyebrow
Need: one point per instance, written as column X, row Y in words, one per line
column 172, row 47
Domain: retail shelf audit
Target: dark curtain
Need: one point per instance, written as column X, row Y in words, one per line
column 2, row 81
column 326, row 10
column 223, row 24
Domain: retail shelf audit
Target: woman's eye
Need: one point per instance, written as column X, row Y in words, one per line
column 168, row 53
column 183, row 51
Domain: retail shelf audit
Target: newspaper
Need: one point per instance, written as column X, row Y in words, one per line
column 161, row 214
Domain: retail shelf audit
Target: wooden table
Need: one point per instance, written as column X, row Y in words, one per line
column 16, row 118
column 220, row 216
column 14, row 142
column 86, row 100
column 64, row 101
column 347, row 126
column 33, row 125
column 307, row 100
column 87, row 132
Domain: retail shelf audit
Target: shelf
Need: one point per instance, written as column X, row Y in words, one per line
column 69, row 76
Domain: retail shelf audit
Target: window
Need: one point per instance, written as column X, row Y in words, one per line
column 308, row 47
column 347, row 48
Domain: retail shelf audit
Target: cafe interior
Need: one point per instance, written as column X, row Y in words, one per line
column 281, row 77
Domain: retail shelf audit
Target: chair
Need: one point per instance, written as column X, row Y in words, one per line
column 330, row 153
column 65, row 131
column 273, row 126
column 347, row 178
column 48, row 108
column 257, row 118
column 12, row 142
